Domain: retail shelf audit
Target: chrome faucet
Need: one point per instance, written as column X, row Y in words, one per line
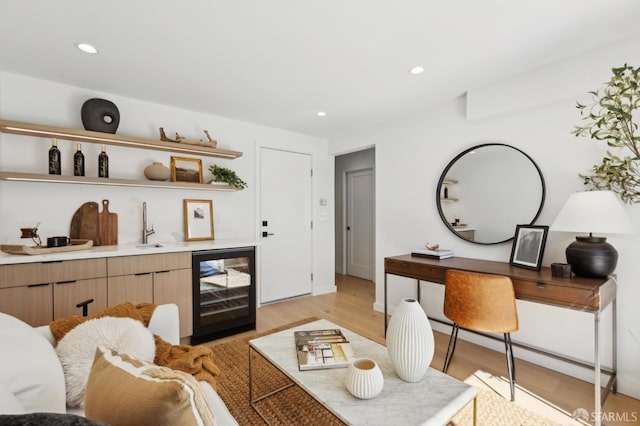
column 145, row 232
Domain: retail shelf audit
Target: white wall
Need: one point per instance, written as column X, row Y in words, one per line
column 412, row 152
column 235, row 213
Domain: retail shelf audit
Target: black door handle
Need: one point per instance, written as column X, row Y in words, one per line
column 266, row 234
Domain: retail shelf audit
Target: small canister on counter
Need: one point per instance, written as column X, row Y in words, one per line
column 561, row 270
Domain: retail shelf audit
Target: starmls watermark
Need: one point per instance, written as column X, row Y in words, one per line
column 606, row 416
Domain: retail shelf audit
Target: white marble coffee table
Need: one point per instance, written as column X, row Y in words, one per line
column 432, row 401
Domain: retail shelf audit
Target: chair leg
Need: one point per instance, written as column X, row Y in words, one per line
column 511, row 366
column 451, row 348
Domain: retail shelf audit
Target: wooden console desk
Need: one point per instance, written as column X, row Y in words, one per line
column 591, row 295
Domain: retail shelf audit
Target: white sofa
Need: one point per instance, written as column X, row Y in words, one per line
column 32, row 379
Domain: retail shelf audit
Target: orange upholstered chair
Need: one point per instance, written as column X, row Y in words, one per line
column 481, row 302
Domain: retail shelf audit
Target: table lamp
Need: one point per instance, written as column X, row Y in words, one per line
column 592, row 211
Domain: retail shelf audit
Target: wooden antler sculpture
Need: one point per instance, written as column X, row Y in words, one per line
column 211, row 143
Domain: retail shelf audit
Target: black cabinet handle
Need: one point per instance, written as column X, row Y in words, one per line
column 541, row 285
column 37, row 285
column 66, row 282
column 85, row 306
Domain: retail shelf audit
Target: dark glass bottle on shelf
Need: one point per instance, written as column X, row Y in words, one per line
column 78, row 162
column 103, row 163
column 54, row 159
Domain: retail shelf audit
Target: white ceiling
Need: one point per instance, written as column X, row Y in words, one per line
column 278, row 62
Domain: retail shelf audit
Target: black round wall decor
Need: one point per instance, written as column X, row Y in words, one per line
column 100, row 115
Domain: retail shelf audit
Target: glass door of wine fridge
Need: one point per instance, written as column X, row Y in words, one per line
column 223, row 293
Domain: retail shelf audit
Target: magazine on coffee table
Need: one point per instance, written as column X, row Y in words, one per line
column 319, row 349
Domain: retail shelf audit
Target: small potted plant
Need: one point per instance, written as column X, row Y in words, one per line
column 228, row 176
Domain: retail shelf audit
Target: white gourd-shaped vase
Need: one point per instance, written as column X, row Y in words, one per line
column 410, row 341
column 364, row 378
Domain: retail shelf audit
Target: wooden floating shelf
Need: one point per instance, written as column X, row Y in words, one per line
column 450, row 200
column 29, row 129
column 32, row 177
column 450, row 181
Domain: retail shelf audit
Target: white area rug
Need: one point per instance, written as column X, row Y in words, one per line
column 524, row 398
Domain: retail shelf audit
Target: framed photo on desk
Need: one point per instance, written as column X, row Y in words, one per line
column 528, row 246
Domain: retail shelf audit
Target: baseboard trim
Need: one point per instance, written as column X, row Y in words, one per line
column 324, row 289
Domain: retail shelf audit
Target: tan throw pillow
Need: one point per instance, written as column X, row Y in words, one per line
column 125, row 391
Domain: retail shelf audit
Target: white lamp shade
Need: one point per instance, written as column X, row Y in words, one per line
column 593, row 212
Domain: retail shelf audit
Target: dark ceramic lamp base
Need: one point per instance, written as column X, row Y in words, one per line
column 592, row 257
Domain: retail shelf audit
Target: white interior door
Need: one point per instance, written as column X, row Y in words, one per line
column 285, row 215
column 360, row 224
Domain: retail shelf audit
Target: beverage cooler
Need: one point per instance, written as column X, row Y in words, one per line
column 224, row 293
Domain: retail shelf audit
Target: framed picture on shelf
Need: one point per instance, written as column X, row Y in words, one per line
column 528, row 246
column 186, row 170
column 198, row 220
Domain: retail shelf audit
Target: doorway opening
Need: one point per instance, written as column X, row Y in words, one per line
column 355, row 214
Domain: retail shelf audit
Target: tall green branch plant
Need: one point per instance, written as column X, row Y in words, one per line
column 611, row 119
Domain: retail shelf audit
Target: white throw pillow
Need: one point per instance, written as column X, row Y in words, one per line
column 29, row 369
column 77, row 349
column 9, row 404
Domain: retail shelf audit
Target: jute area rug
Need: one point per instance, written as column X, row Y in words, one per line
column 294, row 406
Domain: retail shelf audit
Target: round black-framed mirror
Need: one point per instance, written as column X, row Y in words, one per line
column 488, row 189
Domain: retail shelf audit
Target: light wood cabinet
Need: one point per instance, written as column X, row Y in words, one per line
column 67, row 295
column 154, row 278
column 37, row 293
column 33, row 304
column 136, row 289
column 175, row 287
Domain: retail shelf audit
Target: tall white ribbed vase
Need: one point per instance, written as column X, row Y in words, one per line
column 410, row 341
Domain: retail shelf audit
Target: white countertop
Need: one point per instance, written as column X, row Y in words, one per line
column 127, row 250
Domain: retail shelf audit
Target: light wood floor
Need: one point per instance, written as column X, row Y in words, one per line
column 352, row 307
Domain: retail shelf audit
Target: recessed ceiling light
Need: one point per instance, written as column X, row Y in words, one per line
column 321, row 114
column 87, row 48
column 416, row 70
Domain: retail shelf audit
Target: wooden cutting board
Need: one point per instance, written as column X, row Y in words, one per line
column 107, row 225
column 84, row 223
